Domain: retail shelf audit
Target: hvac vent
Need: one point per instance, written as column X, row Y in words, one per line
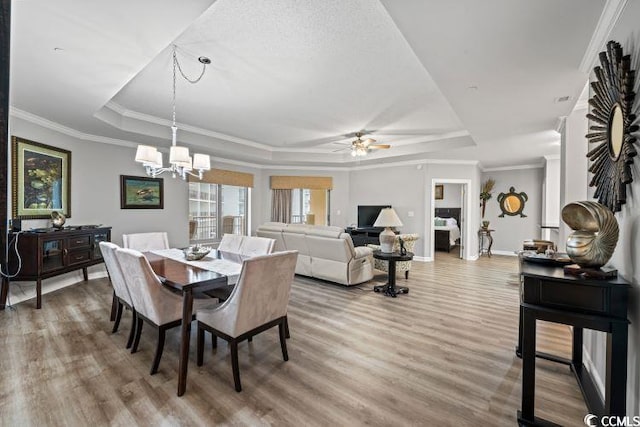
column 562, row 99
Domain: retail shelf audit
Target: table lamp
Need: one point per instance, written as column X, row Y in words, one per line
column 387, row 218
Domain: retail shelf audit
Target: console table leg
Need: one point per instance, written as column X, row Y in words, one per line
column 84, row 274
column 38, row 293
column 616, row 386
column 528, row 364
column 576, row 353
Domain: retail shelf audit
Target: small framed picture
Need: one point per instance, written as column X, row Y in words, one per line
column 439, row 193
column 40, row 181
column 141, row 192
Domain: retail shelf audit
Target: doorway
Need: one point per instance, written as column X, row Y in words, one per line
column 447, row 222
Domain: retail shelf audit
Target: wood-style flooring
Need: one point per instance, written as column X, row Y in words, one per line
column 443, row 355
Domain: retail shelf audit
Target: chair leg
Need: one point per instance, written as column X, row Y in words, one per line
column 283, row 339
column 233, row 345
column 200, row 346
column 132, row 332
column 286, row 327
column 114, row 307
column 136, row 340
column 118, row 317
column 156, row 360
column 406, row 274
column 250, row 339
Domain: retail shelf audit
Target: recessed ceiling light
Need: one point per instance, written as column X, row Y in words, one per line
column 562, row 99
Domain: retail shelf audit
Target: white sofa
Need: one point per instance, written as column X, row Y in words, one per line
column 324, row 252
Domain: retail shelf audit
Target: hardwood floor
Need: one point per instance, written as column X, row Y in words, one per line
column 441, row 355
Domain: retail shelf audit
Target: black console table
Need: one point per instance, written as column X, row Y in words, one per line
column 365, row 236
column 548, row 294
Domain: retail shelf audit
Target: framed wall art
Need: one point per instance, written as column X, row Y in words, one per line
column 141, row 192
column 439, row 192
column 40, row 180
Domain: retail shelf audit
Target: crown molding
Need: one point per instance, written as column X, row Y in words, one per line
column 57, row 127
column 513, row 168
column 552, row 157
column 608, row 19
column 124, row 112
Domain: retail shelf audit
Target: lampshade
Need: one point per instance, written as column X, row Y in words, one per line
column 201, row 162
column 146, row 154
column 159, row 162
column 388, row 218
column 179, row 156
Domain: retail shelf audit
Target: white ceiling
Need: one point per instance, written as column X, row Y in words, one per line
column 448, row 80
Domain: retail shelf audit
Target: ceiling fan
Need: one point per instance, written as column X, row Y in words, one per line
column 360, row 147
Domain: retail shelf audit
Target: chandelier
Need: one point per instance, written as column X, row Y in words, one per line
column 180, row 162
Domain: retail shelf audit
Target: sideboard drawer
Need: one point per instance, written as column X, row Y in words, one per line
column 79, row 242
column 78, row 257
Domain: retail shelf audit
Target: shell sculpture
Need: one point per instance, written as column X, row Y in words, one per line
column 595, row 233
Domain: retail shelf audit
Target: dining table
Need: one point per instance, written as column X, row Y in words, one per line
column 189, row 277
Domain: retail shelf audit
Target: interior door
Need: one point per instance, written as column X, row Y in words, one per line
column 463, row 236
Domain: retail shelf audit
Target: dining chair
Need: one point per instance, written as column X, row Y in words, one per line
column 230, row 243
column 154, row 303
column 256, row 246
column 144, row 242
column 121, row 295
column 258, row 302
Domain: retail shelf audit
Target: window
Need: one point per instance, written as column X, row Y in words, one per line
column 216, row 209
column 300, row 204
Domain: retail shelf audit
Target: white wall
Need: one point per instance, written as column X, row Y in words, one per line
column 626, row 257
column 451, row 198
column 510, row 231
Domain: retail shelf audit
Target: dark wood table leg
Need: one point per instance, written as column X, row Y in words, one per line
column 187, row 312
column 84, row 274
column 490, row 244
column 616, row 383
column 4, row 292
column 519, row 345
column 576, row 352
column 526, row 415
column 38, row 293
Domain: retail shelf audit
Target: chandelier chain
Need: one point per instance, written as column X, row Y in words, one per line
column 176, row 65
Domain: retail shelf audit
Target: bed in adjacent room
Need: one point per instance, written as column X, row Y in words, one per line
column 447, row 228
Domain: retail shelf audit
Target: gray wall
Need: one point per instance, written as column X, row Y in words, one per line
column 95, row 185
column 626, row 257
column 451, row 196
column 510, row 231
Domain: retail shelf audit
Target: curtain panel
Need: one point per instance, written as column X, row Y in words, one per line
column 281, row 205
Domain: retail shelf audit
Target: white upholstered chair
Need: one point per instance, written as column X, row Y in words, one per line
column 154, row 303
column 230, row 244
column 409, row 243
column 144, row 242
column 258, row 302
column 121, row 296
column 256, row 246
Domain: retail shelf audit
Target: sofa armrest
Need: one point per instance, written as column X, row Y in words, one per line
column 362, row 252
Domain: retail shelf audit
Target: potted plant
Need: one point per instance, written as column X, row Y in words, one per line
column 485, row 193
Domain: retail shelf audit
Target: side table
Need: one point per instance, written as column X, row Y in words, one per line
column 390, row 288
column 484, row 234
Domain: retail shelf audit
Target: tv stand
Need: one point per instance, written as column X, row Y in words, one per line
column 365, row 235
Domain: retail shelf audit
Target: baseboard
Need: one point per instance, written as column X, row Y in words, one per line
column 423, row 258
column 20, row 291
column 472, row 258
column 506, row 253
column 591, row 367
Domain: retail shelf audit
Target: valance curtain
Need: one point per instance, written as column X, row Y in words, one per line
column 308, row 182
column 225, row 177
column 281, row 205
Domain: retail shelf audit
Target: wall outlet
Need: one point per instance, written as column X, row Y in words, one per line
column 410, row 214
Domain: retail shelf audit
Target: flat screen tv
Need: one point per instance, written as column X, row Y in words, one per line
column 367, row 215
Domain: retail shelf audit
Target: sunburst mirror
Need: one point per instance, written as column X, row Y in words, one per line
column 612, row 129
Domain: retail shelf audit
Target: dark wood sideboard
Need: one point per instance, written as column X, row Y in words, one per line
column 50, row 253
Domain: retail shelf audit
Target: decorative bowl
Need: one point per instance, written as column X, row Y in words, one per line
column 57, row 219
column 196, row 253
